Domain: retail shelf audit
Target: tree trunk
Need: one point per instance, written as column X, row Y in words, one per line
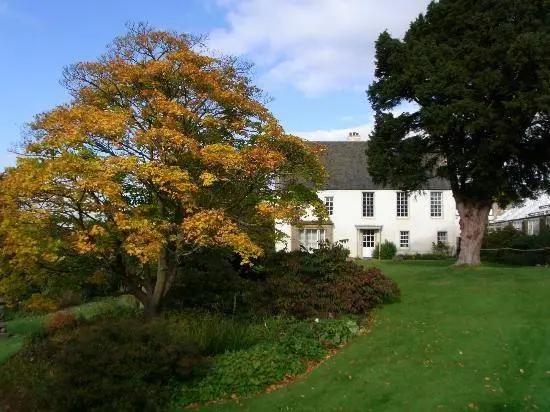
column 165, row 270
column 473, row 222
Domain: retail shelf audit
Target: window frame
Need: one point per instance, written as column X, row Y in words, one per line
column 436, row 204
column 367, row 204
column 405, row 239
column 320, row 238
column 439, row 237
column 402, row 204
column 329, row 205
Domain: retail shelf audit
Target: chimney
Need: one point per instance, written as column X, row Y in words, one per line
column 354, row 137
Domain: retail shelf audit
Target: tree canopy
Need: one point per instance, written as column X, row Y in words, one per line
column 478, row 74
column 163, row 150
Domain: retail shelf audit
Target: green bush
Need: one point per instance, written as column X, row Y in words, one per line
column 385, row 251
column 526, row 253
column 441, row 248
column 422, row 256
column 210, row 280
column 113, row 365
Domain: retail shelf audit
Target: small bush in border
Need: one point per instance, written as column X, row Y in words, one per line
column 386, row 250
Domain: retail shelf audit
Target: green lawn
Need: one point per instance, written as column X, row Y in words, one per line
column 18, row 328
column 461, row 339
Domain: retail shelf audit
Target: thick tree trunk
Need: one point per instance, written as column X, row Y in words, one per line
column 473, row 222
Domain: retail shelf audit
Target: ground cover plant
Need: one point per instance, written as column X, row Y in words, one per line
column 128, row 363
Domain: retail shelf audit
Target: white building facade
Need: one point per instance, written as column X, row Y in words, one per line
column 362, row 214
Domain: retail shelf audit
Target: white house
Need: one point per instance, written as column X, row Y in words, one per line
column 363, row 214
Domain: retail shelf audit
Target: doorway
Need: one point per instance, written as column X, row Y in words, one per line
column 368, row 239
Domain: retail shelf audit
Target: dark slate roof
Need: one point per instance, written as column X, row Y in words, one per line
column 346, row 165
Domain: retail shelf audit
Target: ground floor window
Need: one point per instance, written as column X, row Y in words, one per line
column 442, row 237
column 404, row 236
column 311, row 238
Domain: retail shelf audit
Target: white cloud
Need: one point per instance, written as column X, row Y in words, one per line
column 364, row 130
column 315, row 45
column 336, row 134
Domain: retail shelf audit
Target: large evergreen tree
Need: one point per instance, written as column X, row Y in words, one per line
column 478, row 73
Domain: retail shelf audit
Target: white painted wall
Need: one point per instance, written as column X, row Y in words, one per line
column 422, row 227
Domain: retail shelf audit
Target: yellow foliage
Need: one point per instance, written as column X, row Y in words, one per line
column 161, row 148
column 41, row 304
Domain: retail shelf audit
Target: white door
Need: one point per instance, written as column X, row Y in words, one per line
column 368, row 242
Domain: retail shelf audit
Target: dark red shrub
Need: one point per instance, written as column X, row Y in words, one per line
column 321, row 283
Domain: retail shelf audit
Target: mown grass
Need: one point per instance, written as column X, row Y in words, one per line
column 18, row 328
column 460, row 339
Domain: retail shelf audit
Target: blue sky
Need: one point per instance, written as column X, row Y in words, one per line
column 314, row 57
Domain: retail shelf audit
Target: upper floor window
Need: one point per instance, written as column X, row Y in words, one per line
column 404, row 236
column 368, row 204
column 402, row 204
column 436, row 204
column 442, row 238
column 312, row 238
column 329, row 204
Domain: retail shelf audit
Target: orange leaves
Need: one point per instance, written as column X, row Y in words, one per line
column 256, row 159
column 213, row 228
column 168, row 179
column 71, row 126
column 83, row 243
column 208, row 179
column 144, row 237
column 167, row 139
column 220, row 154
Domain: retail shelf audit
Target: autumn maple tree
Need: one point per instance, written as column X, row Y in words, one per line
column 163, row 150
column 477, row 73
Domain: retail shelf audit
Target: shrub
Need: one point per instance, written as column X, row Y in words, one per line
column 38, row 303
column 422, row 256
column 516, row 248
column 386, row 250
column 69, row 298
column 296, row 286
column 123, row 306
column 209, row 281
column 441, row 248
column 59, row 320
column 114, row 365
